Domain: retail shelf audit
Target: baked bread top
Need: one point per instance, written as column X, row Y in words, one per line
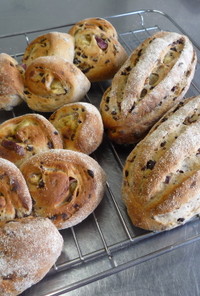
column 66, row 186
column 50, row 44
column 26, row 135
column 161, row 177
column 156, row 76
column 11, row 82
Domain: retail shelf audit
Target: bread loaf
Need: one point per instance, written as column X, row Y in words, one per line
column 51, row 82
column 154, row 78
column 80, row 125
column 161, row 177
column 11, row 82
column 66, row 186
column 29, row 247
column 98, row 53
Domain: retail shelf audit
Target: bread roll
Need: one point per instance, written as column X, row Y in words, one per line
column 11, row 82
column 29, row 248
column 66, row 186
column 98, row 53
column 50, row 44
column 27, row 135
column 80, row 125
column 15, row 199
column 154, row 78
column 51, row 82
column 161, row 177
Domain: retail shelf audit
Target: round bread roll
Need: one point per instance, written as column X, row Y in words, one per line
column 12, row 85
column 50, row 44
column 80, row 125
column 29, row 248
column 51, row 82
column 161, row 176
column 15, row 199
column 98, row 53
column 155, row 77
column 66, row 186
column 27, row 135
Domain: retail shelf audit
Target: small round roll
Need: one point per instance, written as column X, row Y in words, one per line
column 26, row 135
column 80, row 125
column 51, row 82
column 66, row 186
column 29, row 248
column 98, row 53
column 11, row 82
column 50, row 44
column 15, row 199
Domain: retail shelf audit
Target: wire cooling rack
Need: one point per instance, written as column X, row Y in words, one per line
column 106, row 242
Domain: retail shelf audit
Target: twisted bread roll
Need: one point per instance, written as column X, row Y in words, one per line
column 26, row 135
column 50, row 44
column 98, row 53
column 161, row 177
column 51, row 82
column 66, row 186
column 15, row 199
column 80, row 125
column 29, row 248
column 11, row 82
column 156, row 76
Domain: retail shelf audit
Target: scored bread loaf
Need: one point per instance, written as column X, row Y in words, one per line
column 161, row 176
column 156, row 76
column 29, row 248
column 11, row 82
column 50, row 44
column 66, row 186
column 98, row 52
column 51, row 82
column 26, row 135
column 80, row 125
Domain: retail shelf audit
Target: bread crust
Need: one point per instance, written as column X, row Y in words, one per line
column 98, row 53
column 51, row 82
column 26, row 135
column 12, row 83
column 29, row 248
column 66, row 185
column 50, row 44
column 80, row 125
column 154, row 78
column 161, row 176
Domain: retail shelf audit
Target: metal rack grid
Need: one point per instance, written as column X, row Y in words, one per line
column 94, row 249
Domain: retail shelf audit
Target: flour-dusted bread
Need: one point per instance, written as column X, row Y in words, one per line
column 51, row 82
column 50, row 44
column 15, row 199
column 98, row 52
column 66, row 186
column 29, row 248
column 26, row 135
column 11, row 82
column 154, row 78
column 161, row 177
column 80, row 125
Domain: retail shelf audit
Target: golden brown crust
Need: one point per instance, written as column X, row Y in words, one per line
column 156, row 76
column 80, row 125
column 50, row 44
column 26, row 135
column 98, row 53
column 51, row 82
column 15, row 199
column 66, row 185
column 12, row 84
column 161, row 177
column 29, row 247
